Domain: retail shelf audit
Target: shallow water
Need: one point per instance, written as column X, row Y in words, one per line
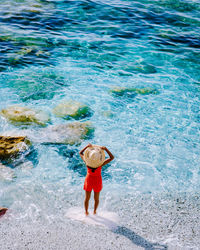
column 79, row 50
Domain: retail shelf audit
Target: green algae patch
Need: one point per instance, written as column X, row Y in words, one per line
column 25, row 116
column 72, row 109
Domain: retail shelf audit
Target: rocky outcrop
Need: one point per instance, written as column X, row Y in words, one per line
column 72, row 109
column 70, row 133
column 11, row 146
column 23, row 115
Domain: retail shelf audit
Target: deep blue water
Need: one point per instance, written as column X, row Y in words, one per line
column 79, row 50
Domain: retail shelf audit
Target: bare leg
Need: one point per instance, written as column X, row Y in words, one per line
column 96, row 201
column 86, row 203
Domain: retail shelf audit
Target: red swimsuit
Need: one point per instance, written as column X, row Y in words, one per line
column 93, row 180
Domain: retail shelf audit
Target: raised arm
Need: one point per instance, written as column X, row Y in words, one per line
column 110, row 155
column 82, row 150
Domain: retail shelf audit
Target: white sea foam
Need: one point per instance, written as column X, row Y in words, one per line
column 104, row 218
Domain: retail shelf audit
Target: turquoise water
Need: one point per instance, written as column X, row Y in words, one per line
column 80, row 50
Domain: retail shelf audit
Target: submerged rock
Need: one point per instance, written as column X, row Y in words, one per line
column 6, row 173
column 25, row 50
column 11, row 146
column 107, row 114
column 22, row 115
column 70, row 133
column 22, row 50
column 37, row 84
column 140, row 66
column 72, row 109
column 25, row 54
column 34, row 50
column 131, row 92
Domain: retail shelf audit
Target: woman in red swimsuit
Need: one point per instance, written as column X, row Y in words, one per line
column 94, row 158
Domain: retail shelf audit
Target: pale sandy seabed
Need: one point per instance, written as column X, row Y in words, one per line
column 165, row 222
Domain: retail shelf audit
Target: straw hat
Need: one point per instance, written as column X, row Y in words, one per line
column 94, row 156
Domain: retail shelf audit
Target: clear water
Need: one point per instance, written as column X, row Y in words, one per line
column 79, row 50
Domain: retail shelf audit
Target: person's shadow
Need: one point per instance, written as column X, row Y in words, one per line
column 131, row 235
column 138, row 240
